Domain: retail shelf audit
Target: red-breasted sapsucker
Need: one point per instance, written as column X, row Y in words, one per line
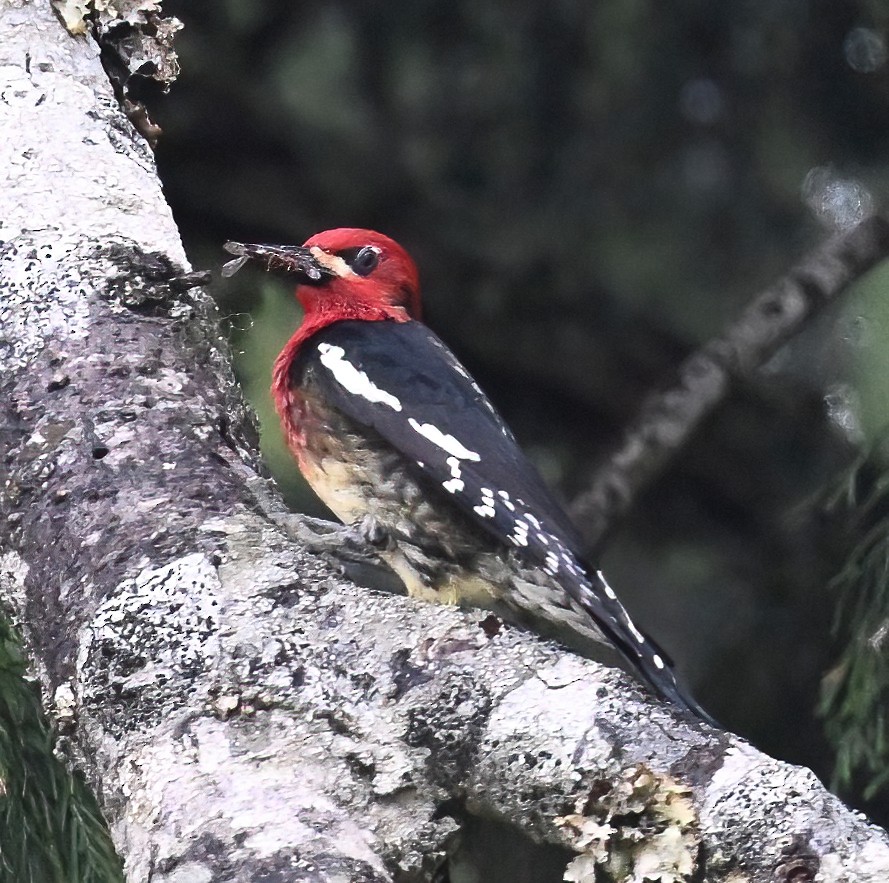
column 394, row 435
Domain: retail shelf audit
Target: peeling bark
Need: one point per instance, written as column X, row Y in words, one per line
column 243, row 710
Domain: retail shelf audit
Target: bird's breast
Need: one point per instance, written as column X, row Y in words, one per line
column 362, row 479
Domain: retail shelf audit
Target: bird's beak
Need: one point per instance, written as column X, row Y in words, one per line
column 291, row 259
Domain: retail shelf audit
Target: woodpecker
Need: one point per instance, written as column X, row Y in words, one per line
column 398, row 440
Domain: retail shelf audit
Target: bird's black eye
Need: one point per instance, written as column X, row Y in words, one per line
column 363, row 261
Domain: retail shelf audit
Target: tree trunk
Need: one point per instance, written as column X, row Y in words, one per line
column 244, row 711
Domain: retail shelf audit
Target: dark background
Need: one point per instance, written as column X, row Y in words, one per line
column 591, row 190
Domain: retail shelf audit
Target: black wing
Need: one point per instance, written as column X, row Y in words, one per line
column 401, row 380
column 424, row 403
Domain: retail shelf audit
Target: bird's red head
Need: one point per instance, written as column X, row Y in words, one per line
column 365, row 275
column 341, row 274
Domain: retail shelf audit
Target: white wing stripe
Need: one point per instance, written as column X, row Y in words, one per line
column 446, row 442
column 353, row 380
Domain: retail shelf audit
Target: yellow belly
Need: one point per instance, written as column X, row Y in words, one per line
column 348, row 496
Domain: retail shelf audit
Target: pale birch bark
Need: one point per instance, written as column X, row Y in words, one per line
column 242, row 710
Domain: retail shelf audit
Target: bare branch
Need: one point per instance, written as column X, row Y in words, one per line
column 668, row 419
